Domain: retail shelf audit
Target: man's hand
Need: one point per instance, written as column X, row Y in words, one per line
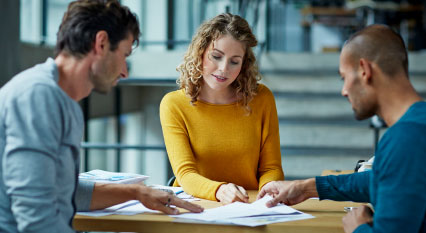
column 106, row 195
column 288, row 192
column 228, row 193
column 357, row 217
column 162, row 201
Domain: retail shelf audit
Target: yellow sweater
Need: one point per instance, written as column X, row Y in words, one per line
column 209, row 145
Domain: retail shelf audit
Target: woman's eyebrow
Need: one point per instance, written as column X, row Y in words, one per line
column 219, row 51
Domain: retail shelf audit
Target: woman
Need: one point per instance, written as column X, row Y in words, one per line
column 221, row 127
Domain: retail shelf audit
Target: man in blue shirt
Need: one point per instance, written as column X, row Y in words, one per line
column 41, row 124
column 374, row 68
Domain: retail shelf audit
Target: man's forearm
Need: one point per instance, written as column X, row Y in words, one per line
column 349, row 187
column 106, row 195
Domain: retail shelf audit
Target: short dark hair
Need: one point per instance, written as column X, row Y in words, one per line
column 84, row 18
column 382, row 45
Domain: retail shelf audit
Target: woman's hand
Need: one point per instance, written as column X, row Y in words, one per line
column 228, row 193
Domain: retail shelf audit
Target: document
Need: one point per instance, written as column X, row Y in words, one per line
column 254, row 214
column 237, row 213
column 178, row 191
column 127, row 208
column 101, row 176
column 254, row 221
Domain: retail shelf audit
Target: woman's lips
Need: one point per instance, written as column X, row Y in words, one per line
column 219, row 78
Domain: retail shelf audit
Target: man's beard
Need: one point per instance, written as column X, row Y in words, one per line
column 364, row 114
column 99, row 83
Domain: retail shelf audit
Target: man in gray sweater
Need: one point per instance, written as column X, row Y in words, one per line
column 41, row 124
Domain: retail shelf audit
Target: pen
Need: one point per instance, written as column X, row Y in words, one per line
column 179, row 192
column 348, row 209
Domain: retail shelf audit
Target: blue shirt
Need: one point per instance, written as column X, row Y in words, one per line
column 396, row 186
column 41, row 128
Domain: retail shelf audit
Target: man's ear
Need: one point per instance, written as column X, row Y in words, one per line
column 365, row 70
column 101, row 43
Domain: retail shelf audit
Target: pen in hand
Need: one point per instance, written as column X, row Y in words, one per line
column 348, row 209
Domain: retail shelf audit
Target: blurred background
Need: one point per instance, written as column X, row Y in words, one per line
column 298, row 54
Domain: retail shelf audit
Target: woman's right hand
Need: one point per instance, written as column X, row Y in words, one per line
column 228, row 193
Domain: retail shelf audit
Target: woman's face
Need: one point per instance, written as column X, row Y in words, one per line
column 222, row 62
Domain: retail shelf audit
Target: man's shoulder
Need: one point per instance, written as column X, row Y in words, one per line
column 27, row 90
column 407, row 134
column 401, row 150
column 41, row 76
column 407, row 129
column 416, row 114
column 405, row 138
column 412, row 123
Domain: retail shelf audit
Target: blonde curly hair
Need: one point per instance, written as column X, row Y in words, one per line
column 191, row 70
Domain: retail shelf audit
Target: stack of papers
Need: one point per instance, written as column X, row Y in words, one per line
column 101, row 176
column 254, row 214
column 237, row 213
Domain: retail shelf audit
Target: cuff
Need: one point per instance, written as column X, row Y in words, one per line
column 363, row 228
column 323, row 187
column 83, row 195
column 270, row 176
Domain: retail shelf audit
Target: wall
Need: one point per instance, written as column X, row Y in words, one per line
column 9, row 39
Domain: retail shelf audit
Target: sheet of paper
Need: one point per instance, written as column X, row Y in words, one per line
column 135, row 207
column 178, row 191
column 233, row 210
column 174, row 189
column 260, row 205
column 237, row 213
column 255, row 221
column 239, row 209
column 253, row 214
column 101, row 176
column 126, row 208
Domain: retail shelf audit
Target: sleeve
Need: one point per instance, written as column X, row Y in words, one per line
column 33, row 134
column 401, row 176
column 351, row 187
column 83, row 195
column 181, row 156
column 270, row 168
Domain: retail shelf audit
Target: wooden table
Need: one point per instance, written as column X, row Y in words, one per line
column 336, row 172
column 328, row 218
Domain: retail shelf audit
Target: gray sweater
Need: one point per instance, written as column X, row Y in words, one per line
column 41, row 128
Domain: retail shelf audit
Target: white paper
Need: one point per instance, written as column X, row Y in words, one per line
column 254, row 214
column 237, row 213
column 178, row 191
column 174, row 189
column 127, row 208
column 135, row 207
column 101, row 176
column 255, row 221
column 233, row 210
column 278, row 209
